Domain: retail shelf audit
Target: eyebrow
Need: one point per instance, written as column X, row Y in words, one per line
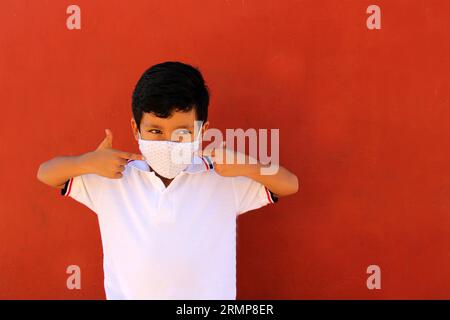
column 185, row 127
column 149, row 125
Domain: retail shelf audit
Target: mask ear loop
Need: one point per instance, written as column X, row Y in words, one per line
column 198, row 140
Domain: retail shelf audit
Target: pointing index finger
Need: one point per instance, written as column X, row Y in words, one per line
column 130, row 155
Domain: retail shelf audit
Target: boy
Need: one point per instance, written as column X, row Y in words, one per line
column 168, row 227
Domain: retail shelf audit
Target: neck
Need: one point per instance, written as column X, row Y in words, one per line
column 165, row 180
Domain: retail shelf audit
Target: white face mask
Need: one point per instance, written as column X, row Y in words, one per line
column 168, row 158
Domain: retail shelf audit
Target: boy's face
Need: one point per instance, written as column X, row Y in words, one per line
column 178, row 127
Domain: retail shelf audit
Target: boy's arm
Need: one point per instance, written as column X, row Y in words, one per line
column 104, row 161
column 281, row 183
column 57, row 171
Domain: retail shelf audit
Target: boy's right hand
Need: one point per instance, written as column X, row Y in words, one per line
column 106, row 161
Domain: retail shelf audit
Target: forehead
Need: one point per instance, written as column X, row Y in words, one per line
column 176, row 120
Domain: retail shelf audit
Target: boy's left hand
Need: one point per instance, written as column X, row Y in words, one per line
column 229, row 163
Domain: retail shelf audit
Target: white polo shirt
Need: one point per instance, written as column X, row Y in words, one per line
column 177, row 242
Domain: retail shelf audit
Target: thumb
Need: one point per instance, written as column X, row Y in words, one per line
column 107, row 142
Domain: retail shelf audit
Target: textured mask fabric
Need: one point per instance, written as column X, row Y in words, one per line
column 168, row 158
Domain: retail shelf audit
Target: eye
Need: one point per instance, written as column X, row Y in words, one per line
column 182, row 132
column 181, row 135
column 154, row 131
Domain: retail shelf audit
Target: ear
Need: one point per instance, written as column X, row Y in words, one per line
column 134, row 129
column 205, row 127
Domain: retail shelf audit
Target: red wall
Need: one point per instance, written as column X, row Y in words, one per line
column 363, row 117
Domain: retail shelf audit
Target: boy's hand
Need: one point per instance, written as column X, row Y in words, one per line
column 229, row 163
column 106, row 161
column 281, row 183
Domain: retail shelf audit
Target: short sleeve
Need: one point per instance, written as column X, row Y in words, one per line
column 85, row 189
column 250, row 194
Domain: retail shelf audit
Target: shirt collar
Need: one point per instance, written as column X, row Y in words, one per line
column 199, row 164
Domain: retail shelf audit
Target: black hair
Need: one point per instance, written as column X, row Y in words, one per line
column 170, row 86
